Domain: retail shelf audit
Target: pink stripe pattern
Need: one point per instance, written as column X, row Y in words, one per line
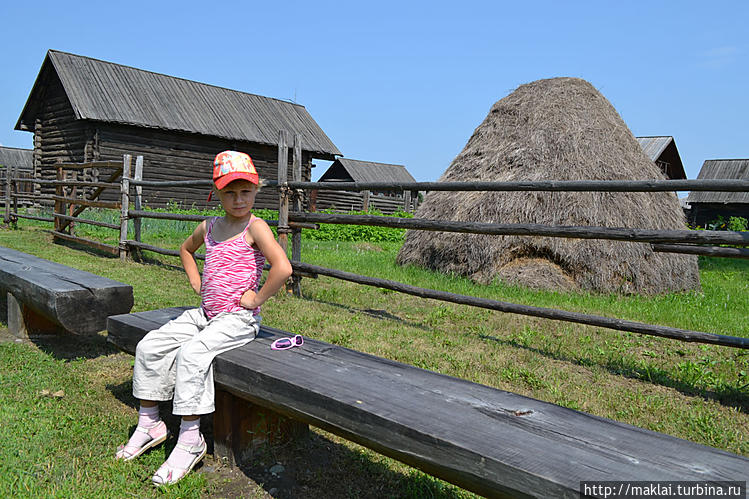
column 231, row 268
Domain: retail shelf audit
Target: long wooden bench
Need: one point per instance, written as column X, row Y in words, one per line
column 39, row 296
column 492, row 442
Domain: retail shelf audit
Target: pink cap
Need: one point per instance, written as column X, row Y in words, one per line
column 233, row 165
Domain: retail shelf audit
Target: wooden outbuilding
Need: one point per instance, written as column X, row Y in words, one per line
column 82, row 109
column 353, row 170
column 706, row 207
column 662, row 150
column 20, row 162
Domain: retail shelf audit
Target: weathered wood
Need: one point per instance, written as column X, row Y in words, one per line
column 75, row 300
column 365, row 200
column 161, row 251
column 240, row 427
column 702, row 250
column 7, row 195
column 107, row 248
column 296, row 234
column 541, row 185
column 83, row 183
column 87, row 221
column 23, row 321
column 125, row 205
column 138, row 195
column 91, row 164
column 489, row 441
column 84, row 203
column 283, row 200
column 546, row 313
column 32, row 217
column 610, row 233
column 98, row 192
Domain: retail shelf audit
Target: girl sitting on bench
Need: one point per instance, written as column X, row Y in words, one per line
column 174, row 361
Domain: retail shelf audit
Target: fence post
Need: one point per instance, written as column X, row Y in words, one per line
column 138, row 202
column 407, row 201
column 296, row 234
column 125, row 190
column 15, row 180
column 59, row 205
column 283, row 197
column 365, row 201
column 7, row 195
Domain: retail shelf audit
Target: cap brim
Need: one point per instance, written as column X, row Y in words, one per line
column 224, row 180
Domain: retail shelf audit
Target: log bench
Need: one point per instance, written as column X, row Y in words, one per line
column 489, row 441
column 39, row 296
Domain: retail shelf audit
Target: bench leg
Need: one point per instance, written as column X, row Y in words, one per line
column 23, row 321
column 240, row 427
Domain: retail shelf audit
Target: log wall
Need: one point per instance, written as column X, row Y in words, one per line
column 181, row 156
column 60, row 138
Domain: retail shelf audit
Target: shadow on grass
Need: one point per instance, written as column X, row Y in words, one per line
column 67, row 346
column 318, row 466
column 375, row 313
column 311, row 466
column 731, row 396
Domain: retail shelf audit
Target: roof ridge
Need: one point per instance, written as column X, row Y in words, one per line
column 19, row 148
column 173, row 77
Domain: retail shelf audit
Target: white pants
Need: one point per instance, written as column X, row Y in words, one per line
column 176, row 360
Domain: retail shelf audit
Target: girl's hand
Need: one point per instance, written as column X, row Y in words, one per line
column 248, row 300
column 196, row 286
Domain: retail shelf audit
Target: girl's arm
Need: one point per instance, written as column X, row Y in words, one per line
column 280, row 268
column 187, row 255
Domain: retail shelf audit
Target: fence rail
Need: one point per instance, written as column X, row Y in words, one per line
column 292, row 220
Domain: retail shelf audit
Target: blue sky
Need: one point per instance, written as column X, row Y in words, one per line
column 408, row 82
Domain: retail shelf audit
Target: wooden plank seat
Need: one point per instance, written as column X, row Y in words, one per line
column 492, row 442
column 39, row 296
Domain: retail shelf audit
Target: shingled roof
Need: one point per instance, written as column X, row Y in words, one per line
column 108, row 92
column 662, row 150
column 737, row 169
column 354, row 170
column 17, row 158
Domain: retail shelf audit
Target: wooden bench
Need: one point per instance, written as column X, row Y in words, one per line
column 489, row 441
column 39, row 296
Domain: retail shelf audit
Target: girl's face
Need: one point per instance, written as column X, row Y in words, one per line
column 238, row 197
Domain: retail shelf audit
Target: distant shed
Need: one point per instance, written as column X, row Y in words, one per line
column 83, row 109
column 707, row 206
column 662, row 150
column 354, row 170
column 15, row 157
column 21, row 162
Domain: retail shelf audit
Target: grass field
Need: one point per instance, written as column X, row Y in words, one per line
column 62, row 446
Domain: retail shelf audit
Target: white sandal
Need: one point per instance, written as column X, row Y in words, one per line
column 167, row 475
column 158, row 434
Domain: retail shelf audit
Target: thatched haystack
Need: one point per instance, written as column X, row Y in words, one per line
column 556, row 129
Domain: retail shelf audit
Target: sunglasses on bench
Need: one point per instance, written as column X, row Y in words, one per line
column 286, row 343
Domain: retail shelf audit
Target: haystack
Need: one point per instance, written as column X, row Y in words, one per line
column 555, row 129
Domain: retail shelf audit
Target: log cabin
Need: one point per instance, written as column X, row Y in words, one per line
column 82, row 109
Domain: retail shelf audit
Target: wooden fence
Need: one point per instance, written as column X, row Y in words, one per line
column 361, row 201
column 291, row 220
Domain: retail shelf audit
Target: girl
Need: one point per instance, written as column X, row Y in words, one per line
column 174, row 361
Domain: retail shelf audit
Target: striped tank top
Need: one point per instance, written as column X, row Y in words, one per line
column 231, row 268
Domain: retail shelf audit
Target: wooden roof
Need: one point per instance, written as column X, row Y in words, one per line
column 662, row 149
column 108, row 92
column 353, row 170
column 17, row 158
column 722, row 169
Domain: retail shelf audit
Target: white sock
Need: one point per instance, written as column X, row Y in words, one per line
column 189, row 434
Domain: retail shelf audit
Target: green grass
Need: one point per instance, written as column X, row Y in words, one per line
column 692, row 391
